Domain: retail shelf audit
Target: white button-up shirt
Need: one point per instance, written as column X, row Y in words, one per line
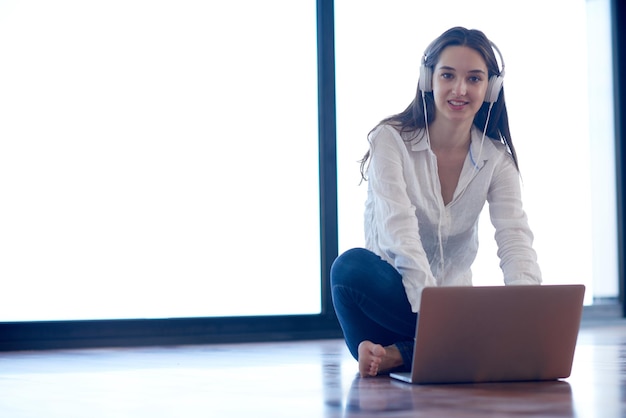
column 432, row 244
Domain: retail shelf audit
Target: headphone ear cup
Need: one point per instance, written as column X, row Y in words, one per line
column 493, row 88
column 426, row 79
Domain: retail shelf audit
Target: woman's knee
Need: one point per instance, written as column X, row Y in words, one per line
column 347, row 265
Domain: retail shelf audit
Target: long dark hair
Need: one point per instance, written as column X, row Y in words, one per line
column 413, row 120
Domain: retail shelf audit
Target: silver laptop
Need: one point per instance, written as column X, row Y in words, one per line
column 495, row 334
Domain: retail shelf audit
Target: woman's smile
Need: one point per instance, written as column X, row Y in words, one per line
column 457, row 104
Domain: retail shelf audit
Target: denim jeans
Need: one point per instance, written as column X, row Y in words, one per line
column 371, row 303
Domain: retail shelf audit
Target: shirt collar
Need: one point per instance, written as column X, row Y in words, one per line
column 488, row 146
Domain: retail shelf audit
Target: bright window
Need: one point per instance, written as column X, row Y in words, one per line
column 558, row 88
column 158, row 159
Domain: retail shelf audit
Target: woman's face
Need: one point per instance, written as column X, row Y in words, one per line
column 460, row 81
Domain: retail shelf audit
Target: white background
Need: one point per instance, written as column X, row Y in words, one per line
column 159, row 158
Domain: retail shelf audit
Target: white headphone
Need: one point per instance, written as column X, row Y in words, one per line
column 425, row 82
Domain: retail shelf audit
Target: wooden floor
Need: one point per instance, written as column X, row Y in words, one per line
column 296, row 379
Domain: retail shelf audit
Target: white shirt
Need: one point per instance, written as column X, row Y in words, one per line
column 432, row 244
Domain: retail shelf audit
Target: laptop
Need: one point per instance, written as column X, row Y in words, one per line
column 495, row 334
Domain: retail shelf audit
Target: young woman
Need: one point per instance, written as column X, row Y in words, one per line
column 430, row 170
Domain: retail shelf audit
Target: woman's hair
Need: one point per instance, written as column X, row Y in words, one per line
column 412, row 119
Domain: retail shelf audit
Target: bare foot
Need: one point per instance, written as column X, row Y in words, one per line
column 375, row 359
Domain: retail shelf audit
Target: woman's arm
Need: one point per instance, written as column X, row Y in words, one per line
column 518, row 259
column 395, row 230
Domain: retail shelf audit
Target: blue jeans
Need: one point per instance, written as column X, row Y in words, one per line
column 371, row 303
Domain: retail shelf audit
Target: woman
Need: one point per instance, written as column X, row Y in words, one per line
column 430, row 170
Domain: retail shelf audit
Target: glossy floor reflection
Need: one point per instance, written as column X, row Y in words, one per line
column 297, row 379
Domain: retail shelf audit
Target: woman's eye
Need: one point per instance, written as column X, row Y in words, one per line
column 447, row 75
column 475, row 79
